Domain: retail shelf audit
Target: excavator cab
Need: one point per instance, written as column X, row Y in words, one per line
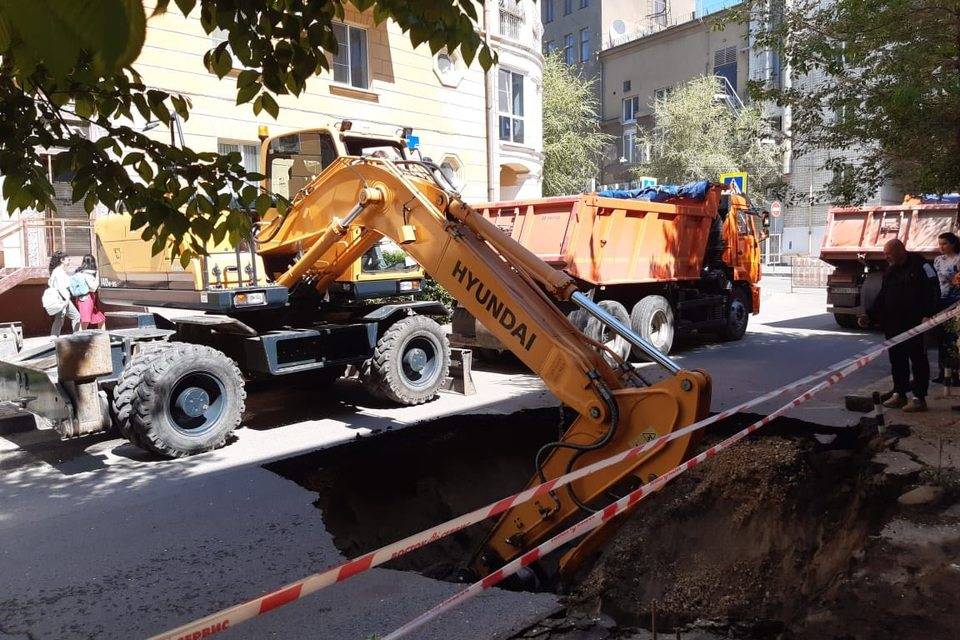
column 291, row 161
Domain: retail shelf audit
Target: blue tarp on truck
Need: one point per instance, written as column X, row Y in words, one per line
column 661, row 192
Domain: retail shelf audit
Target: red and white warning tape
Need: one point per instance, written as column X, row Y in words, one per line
column 625, row 503
column 231, row 616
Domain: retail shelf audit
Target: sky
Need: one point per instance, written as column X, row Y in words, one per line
column 705, row 7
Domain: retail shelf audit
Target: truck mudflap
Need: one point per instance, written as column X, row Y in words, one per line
column 29, row 381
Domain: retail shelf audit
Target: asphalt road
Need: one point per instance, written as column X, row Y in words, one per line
column 96, row 541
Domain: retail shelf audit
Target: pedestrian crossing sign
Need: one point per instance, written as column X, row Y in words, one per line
column 737, row 179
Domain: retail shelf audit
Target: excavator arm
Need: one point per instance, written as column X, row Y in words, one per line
column 515, row 295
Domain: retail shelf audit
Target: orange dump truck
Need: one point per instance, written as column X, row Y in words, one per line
column 853, row 244
column 683, row 264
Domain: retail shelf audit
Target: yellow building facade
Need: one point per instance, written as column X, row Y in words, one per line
column 381, row 84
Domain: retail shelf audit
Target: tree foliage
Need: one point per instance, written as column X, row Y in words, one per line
column 68, row 60
column 877, row 84
column 572, row 141
column 697, row 137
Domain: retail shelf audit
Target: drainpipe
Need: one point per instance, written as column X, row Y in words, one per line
column 490, row 98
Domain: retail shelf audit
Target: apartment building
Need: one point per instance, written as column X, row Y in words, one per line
column 640, row 71
column 382, row 84
column 485, row 126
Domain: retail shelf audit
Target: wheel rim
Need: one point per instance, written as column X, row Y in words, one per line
column 659, row 329
column 614, row 342
column 196, row 403
column 419, row 361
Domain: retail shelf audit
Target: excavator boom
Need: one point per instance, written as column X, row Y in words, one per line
column 515, row 295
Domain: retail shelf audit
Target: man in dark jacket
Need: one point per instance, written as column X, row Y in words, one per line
column 910, row 293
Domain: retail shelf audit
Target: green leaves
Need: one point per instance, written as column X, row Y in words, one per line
column 875, row 90
column 573, row 143
column 697, row 137
column 53, row 33
column 64, row 60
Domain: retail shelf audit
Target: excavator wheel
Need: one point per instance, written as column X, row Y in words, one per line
column 410, row 362
column 180, row 399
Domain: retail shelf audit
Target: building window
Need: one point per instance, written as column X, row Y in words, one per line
column 350, row 63
column 548, row 46
column 661, row 94
column 568, row 48
column 511, row 18
column 567, row 7
column 626, row 86
column 548, row 7
column 584, row 45
column 249, row 156
column 249, row 153
column 511, row 106
column 725, row 66
column 630, row 108
column 658, row 12
column 644, row 153
column 584, row 4
column 629, row 146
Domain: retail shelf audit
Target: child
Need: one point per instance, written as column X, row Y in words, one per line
column 91, row 315
column 56, row 298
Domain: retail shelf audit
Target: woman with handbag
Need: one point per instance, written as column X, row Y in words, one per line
column 56, row 298
column 88, row 302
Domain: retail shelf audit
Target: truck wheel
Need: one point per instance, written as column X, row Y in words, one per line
column 738, row 316
column 579, row 319
column 179, row 400
column 411, row 361
column 652, row 318
column 846, row 320
column 604, row 334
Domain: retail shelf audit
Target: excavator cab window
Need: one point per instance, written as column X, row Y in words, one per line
column 294, row 160
column 361, row 146
column 386, row 257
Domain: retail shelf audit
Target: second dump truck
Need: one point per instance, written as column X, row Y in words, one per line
column 688, row 263
column 853, row 244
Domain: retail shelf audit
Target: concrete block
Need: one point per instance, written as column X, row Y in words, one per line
column 923, row 495
column 83, row 355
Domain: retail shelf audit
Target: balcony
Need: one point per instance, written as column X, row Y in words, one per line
column 512, row 19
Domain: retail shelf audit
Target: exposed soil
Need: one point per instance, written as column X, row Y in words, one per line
column 377, row 491
column 794, row 533
column 783, row 537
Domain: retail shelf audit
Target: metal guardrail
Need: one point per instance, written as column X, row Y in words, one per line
column 40, row 237
column 808, row 272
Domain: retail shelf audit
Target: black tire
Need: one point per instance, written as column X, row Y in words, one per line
column 579, row 319
column 410, row 362
column 598, row 331
column 846, row 320
column 179, row 400
column 738, row 316
column 653, row 320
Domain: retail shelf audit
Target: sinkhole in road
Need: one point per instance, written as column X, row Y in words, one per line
column 377, row 490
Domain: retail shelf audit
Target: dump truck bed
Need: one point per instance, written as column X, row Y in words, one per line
column 607, row 241
column 859, row 233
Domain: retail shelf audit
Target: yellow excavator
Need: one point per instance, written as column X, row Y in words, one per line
column 178, row 390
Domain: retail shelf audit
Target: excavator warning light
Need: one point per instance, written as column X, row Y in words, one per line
column 263, row 132
column 408, row 234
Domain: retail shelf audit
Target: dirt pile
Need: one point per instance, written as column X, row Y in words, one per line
column 783, row 537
